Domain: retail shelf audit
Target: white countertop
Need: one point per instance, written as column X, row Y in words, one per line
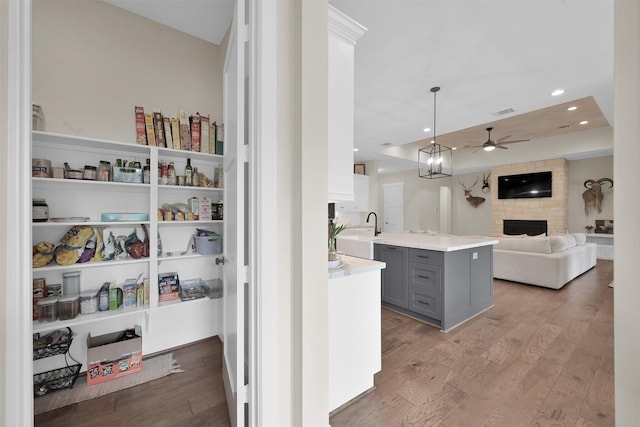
column 352, row 265
column 437, row 242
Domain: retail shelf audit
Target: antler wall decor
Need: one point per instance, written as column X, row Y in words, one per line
column 473, row 200
column 485, row 183
column 593, row 196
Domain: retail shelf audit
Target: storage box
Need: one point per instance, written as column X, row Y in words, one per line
column 130, row 175
column 114, row 355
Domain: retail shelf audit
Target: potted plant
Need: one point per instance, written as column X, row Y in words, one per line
column 589, row 228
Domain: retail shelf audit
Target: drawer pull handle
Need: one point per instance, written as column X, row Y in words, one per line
column 423, row 302
column 423, row 256
column 423, row 277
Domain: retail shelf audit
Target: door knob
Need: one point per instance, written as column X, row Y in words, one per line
column 219, row 261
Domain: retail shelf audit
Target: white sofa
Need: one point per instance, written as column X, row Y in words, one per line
column 550, row 261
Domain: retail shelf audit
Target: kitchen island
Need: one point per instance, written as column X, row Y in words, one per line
column 443, row 280
column 355, row 349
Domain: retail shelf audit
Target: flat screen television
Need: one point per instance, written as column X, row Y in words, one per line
column 525, row 186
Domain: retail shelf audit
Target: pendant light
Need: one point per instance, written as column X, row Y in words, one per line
column 435, row 160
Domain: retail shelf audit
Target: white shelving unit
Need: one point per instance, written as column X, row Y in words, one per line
column 166, row 325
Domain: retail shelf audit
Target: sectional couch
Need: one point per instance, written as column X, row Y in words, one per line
column 550, row 261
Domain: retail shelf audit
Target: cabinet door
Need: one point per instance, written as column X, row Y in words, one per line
column 361, row 193
column 394, row 276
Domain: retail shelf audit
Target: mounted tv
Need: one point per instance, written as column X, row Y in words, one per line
column 525, row 186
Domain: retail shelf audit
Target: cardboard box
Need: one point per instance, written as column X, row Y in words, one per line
column 111, row 356
column 168, row 287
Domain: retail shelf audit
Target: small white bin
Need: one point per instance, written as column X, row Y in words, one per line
column 208, row 245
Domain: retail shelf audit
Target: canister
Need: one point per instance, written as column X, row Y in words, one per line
column 89, row 302
column 90, row 173
column 48, row 309
column 104, row 171
column 68, row 307
column 39, row 210
column 41, row 168
column 54, row 290
column 71, row 283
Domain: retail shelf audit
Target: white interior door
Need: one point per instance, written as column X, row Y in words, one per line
column 233, row 365
column 393, row 208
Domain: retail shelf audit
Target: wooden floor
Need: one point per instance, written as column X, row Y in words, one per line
column 194, row 397
column 540, row 357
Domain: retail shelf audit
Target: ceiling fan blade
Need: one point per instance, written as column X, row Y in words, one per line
column 500, row 146
column 517, row 140
column 503, row 138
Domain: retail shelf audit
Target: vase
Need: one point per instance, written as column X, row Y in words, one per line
column 333, row 254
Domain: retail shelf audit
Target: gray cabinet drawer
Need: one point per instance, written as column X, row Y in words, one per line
column 426, row 277
column 426, row 256
column 424, row 303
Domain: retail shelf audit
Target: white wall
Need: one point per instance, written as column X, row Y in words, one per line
column 422, row 198
column 626, row 178
column 579, row 172
column 93, row 62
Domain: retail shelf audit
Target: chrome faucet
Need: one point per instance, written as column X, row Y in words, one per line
column 375, row 227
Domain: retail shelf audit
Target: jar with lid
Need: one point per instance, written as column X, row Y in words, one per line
column 40, row 210
column 68, row 307
column 171, row 174
column 48, row 309
column 71, row 283
column 104, row 170
column 88, row 302
column 90, row 173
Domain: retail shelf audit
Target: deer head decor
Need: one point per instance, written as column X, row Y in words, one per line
column 485, row 183
column 593, row 196
column 473, row 200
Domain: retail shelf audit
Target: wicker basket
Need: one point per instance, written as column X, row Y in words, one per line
column 52, row 344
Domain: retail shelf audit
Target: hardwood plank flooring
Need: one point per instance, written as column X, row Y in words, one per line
column 194, row 397
column 539, row 357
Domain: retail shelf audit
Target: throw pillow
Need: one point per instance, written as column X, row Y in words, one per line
column 558, row 243
column 581, row 238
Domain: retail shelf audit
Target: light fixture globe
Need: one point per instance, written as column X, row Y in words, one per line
column 435, row 160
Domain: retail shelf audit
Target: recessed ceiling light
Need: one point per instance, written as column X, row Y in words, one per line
column 356, row 149
column 432, row 142
column 574, row 108
column 427, row 129
column 557, row 92
column 584, row 122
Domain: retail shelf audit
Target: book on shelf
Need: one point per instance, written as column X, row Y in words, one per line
column 175, row 133
column 204, row 134
column 168, row 135
column 141, row 131
column 151, row 134
column 194, row 120
column 185, row 131
column 158, row 126
column 219, row 140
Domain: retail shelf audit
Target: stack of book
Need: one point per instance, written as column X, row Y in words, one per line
column 187, row 132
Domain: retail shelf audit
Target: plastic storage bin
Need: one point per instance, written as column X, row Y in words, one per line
column 88, row 302
column 48, row 309
column 71, row 283
column 68, row 307
column 208, row 245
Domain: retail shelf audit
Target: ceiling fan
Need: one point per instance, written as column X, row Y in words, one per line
column 491, row 145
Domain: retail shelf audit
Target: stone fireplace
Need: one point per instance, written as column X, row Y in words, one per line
column 553, row 210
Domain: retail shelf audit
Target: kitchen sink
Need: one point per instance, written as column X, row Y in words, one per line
column 357, row 245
